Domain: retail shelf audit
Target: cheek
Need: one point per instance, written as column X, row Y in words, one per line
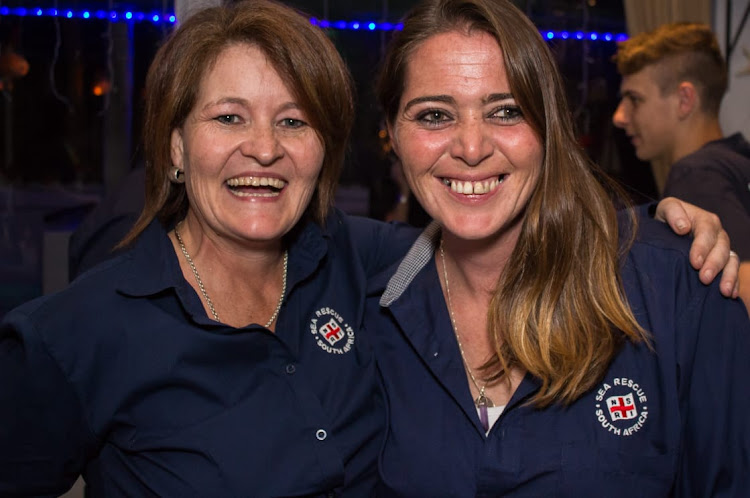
column 310, row 163
column 525, row 151
column 203, row 157
column 419, row 151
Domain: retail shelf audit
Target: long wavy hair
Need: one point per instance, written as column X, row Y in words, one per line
column 304, row 57
column 558, row 310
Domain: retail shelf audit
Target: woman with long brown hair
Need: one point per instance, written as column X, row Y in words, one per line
column 534, row 342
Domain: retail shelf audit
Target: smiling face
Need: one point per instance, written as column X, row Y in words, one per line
column 251, row 159
column 648, row 117
column 469, row 156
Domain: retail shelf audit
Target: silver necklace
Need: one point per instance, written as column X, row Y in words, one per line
column 482, row 402
column 203, row 289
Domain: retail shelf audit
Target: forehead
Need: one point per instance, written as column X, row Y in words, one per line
column 456, row 58
column 239, row 67
column 643, row 82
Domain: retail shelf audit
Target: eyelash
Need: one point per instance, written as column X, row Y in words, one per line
column 634, row 100
column 514, row 111
column 227, row 118
column 234, row 118
column 293, row 123
column 435, row 117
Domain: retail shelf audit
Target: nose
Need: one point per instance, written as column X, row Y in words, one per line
column 620, row 117
column 471, row 143
column 262, row 143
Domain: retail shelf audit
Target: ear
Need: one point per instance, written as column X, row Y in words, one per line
column 177, row 149
column 688, row 100
column 392, row 138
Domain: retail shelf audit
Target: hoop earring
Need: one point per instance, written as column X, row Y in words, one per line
column 176, row 175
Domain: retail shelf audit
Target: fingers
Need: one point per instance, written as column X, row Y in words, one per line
column 730, row 282
column 710, row 252
column 710, row 249
column 719, row 259
column 672, row 211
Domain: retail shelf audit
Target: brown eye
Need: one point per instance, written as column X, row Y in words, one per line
column 292, row 123
column 508, row 113
column 432, row 117
column 227, row 118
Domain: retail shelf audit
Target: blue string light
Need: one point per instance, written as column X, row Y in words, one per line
column 111, row 15
column 155, row 18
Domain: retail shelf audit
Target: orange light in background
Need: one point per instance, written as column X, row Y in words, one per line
column 101, row 87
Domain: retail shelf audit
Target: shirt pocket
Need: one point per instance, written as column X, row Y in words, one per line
column 590, row 470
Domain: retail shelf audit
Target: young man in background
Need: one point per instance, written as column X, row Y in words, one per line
column 673, row 81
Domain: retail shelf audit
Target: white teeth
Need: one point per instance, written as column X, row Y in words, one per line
column 474, row 188
column 239, row 193
column 254, row 181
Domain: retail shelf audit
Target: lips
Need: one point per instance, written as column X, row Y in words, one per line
column 474, row 187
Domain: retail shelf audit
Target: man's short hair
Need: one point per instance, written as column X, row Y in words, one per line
column 679, row 52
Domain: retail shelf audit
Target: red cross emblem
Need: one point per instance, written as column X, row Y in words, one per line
column 622, row 407
column 332, row 331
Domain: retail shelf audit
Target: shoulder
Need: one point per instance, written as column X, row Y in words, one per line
column 663, row 288
column 96, row 296
column 730, row 153
column 655, row 245
column 90, row 295
column 369, row 229
column 377, row 244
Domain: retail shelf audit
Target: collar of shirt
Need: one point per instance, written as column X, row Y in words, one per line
column 154, row 266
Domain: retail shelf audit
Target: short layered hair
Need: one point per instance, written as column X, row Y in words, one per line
column 306, row 60
column 678, row 52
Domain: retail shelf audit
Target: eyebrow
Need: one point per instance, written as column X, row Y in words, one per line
column 241, row 101
column 494, row 97
column 629, row 94
column 226, row 100
column 429, row 98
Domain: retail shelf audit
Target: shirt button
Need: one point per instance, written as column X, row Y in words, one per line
column 290, row 369
column 321, row 434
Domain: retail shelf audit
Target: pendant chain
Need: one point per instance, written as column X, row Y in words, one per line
column 482, row 399
column 203, row 288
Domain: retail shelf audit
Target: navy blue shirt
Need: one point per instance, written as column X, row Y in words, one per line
column 122, row 377
column 672, row 421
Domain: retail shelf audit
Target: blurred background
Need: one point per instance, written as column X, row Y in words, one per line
column 71, row 88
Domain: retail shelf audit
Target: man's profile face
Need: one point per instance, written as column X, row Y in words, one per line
column 648, row 117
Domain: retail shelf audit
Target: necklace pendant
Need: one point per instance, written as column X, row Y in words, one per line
column 483, row 401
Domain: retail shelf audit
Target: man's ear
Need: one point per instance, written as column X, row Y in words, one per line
column 688, row 100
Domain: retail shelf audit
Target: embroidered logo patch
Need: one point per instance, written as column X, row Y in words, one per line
column 621, row 406
column 331, row 332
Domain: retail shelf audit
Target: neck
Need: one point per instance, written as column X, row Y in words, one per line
column 243, row 282
column 478, row 265
column 693, row 134
column 468, row 285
